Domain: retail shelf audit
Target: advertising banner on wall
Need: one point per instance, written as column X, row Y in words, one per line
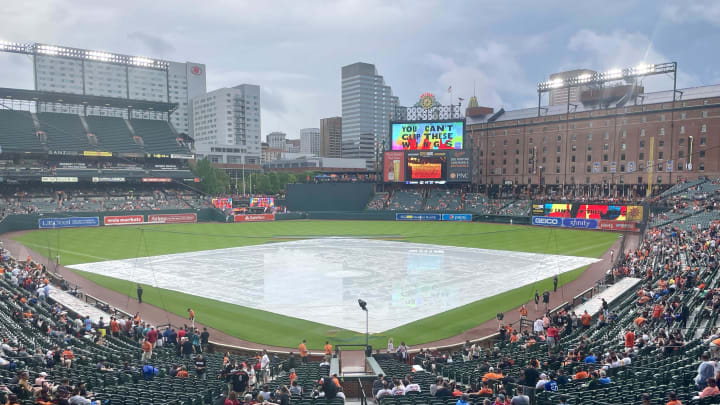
column 254, row 217
column 547, row 221
column 394, row 167
column 418, row 217
column 457, row 217
column 172, row 218
column 71, row 222
column 123, row 220
column 458, row 166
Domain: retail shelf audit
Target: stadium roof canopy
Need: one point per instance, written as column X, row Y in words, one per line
column 80, row 99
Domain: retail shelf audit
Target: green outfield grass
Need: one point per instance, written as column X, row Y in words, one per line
column 84, row 245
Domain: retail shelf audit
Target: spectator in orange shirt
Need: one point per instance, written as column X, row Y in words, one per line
column 523, row 312
column 303, row 352
column 182, row 373
column 673, row 399
column 191, row 317
column 485, row 390
column 580, row 374
column 586, row 319
column 492, row 375
column 67, row 357
column 629, row 339
column 147, row 350
column 114, row 327
column 640, row 321
column 293, row 376
column 328, row 349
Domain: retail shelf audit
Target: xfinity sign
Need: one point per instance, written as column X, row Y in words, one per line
column 580, row 223
column 547, row 221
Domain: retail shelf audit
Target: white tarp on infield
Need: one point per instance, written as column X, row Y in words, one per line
column 321, row 279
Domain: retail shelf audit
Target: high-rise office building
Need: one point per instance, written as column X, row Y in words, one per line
column 227, row 125
column 276, row 140
column 99, row 73
column 367, row 106
column 331, row 137
column 310, row 141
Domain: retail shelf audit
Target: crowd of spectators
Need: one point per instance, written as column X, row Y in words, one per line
column 43, row 200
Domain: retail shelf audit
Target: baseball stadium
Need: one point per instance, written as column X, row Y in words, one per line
column 470, row 258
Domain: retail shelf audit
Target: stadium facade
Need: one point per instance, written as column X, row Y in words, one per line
column 98, row 73
column 227, row 125
column 608, row 137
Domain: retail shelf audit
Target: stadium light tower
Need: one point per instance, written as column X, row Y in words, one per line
column 363, row 306
column 612, row 75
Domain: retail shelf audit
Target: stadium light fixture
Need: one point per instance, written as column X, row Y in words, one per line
column 363, row 305
column 611, row 75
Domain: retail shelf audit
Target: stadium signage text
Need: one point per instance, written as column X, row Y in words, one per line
column 59, row 179
column 70, row 222
column 108, row 179
column 123, row 220
column 547, row 221
column 418, row 217
column 156, row 180
column 172, row 218
column 254, row 217
column 580, row 223
column 457, row 217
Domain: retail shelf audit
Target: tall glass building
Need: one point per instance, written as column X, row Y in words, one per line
column 367, row 106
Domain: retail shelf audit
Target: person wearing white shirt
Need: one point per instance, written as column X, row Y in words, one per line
column 538, row 326
column 412, row 386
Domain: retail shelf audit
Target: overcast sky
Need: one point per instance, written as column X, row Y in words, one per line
column 294, row 49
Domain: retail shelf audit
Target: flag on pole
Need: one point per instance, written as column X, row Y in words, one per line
column 450, row 89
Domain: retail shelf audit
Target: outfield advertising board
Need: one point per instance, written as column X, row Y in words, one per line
column 123, row 220
column 618, row 226
column 71, row 222
column 547, row 221
column 254, row 217
column 172, row 218
column 457, row 217
column 418, row 217
column 605, row 212
column 579, row 223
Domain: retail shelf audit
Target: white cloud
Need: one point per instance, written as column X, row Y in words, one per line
column 682, row 11
column 618, row 50
column 492, row 70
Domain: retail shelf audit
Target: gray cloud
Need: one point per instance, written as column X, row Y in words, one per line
column 294, row 50
column 155, row 44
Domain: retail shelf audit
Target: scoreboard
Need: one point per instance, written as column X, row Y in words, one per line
column 427, row 153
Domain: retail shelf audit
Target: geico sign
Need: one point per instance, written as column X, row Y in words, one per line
column 546, row 221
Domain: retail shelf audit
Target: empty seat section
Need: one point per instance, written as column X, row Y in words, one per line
column 17, row 132
column 64, row 132
column 112, row 134
column 157, row 136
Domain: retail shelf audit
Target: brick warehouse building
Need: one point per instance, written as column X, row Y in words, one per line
column 606, row 140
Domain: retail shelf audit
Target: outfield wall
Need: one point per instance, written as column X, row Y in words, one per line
column 328, row 196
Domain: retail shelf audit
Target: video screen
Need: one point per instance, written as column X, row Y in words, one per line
column 427, row 135
column 632, row 213
column 222, row 203
column 426, row 167
column 262, row 202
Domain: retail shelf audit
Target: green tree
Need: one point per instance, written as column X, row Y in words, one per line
column 212, row 179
